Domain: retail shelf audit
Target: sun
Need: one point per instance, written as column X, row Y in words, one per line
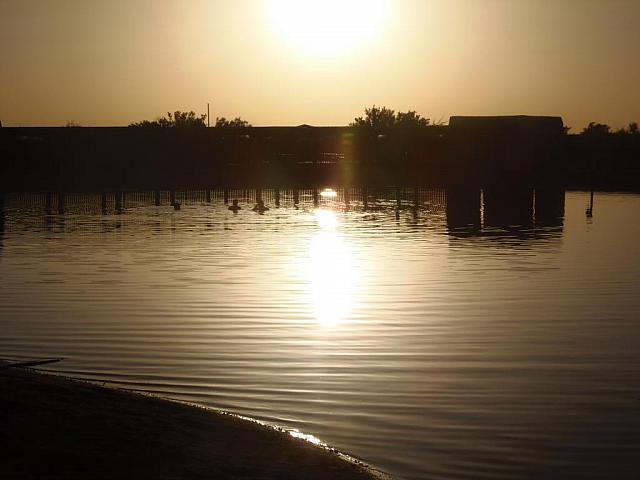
column 328, row 27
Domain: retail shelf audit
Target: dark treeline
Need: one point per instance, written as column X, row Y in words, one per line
column 382, row 147
column 180, row 119
column 604, row 158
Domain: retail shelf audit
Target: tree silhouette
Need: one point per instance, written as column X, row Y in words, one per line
column 411, row 119
column 178, row 120
column 222, row 122
column 596, row 129
column 377, row 119
column 383, row 119
column 633, row 128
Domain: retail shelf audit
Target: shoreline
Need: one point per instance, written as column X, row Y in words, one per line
column 59, row 427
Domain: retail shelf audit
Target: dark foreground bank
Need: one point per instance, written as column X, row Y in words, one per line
column 54, row 427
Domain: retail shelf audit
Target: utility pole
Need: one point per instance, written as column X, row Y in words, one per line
column 208, row 122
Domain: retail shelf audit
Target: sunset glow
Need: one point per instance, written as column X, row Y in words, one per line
column 404, row 227
column 293, row 62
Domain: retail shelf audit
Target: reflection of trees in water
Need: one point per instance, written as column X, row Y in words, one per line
column 525, row 213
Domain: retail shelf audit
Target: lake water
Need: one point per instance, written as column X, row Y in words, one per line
column 432, row 334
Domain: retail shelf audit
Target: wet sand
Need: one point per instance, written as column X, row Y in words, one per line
column 54, row 427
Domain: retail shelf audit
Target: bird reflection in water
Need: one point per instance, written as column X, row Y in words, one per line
column 331, row 272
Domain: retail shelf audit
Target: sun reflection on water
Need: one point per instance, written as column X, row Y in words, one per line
column 331, row 274
column 328, row 193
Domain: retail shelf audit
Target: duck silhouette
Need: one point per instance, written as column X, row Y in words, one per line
column 260, row 207
column 235, row 207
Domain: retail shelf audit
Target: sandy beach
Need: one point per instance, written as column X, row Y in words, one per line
column 54, row 427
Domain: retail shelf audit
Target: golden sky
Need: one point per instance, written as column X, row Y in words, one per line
column 321, row 62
